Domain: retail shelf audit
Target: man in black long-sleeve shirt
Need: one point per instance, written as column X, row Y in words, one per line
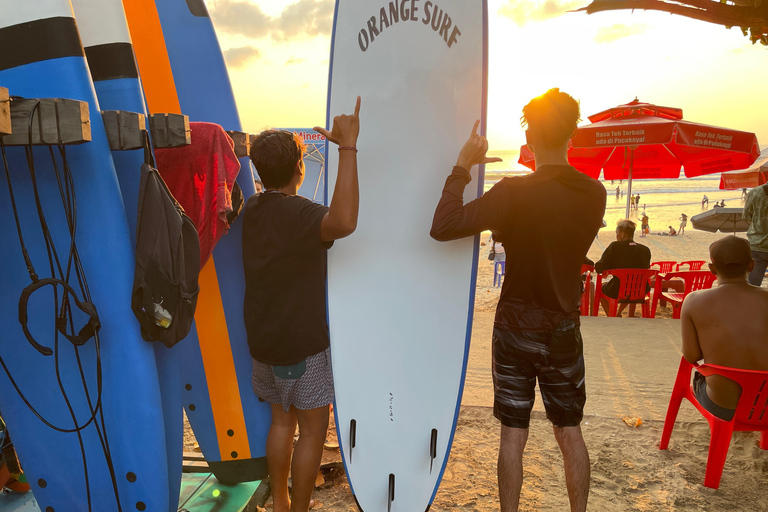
column 623, row 253
column 536, row 331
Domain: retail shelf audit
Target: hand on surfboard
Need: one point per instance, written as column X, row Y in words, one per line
column 474, row 150
column 345, row 128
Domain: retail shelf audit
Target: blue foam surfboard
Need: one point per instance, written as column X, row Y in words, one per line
column 205, row 94
column 48, row 61
column 109, row 52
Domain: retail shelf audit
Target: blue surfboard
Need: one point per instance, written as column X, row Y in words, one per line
column 205, row 94
column 109, row 52
column 117, row 461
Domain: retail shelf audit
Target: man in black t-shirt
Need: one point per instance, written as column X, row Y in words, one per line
column 623, row 253
column 536, row 333
column 285, row 239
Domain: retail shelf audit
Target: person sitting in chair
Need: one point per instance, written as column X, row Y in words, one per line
column 726, row 325
column 623, row 253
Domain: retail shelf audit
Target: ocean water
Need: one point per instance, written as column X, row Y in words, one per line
column 664, row 200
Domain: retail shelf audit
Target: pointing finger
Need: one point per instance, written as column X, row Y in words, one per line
column 357, row 107
column 493, row 160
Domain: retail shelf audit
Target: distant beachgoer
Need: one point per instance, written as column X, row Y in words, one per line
column 683, row 223
column 637, row 201
column 672, row 231
column 744, row 192
column 618, row 191
column 623, row 253
column 498, row 249
column 756, row 212
column 536, row 334
column 726, row 326
column 704, row 200
column 722, row 203
column 717, row 204
column 259, row 186
column 644, row 229
column 631, row 202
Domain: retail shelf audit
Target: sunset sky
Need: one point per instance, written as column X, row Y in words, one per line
column 278, row 52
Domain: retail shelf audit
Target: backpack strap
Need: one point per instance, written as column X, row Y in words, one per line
column 87, row 332
column 149, row 156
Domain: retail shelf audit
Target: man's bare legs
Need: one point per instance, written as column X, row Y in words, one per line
column 313, row 426
column 510, row 468
column 576, row 462
column 279, row 448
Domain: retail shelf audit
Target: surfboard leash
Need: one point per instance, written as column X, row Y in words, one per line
column 64, row 316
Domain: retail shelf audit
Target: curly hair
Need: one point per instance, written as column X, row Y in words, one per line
column 275, row 153
column 551, row 118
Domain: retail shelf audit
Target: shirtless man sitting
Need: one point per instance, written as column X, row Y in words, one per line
column 727, row 325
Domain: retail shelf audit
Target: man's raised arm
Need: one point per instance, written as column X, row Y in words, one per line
column 341, row 219
column 452, row 218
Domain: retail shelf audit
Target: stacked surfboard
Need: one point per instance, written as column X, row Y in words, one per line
column 109, row 431
column 86, row 420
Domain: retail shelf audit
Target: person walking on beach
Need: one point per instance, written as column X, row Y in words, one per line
column 644, row 229
column 683, row 223
column 623, row 253
column 618, row 192
column 756, row 213
column 285, row 239
column 536, row 330
column 705, row 200
column 726, row 325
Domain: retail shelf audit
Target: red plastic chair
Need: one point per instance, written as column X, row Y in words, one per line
column 692, row 265
column 665, row 266
column 633, row 290
column 750, row 413
column 692, row 279
column 586, row 269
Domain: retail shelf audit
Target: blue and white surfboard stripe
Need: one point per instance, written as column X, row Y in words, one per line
column 131, row 399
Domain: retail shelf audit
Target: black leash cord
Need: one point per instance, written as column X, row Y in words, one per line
column 67, row 193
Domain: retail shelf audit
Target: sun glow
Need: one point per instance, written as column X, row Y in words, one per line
column 606, row 59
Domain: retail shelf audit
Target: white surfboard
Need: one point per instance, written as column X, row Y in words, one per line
column 400, row 304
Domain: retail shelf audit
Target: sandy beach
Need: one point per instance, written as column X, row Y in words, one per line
column 630, row 374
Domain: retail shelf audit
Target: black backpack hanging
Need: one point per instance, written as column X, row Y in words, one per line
column 165, row 285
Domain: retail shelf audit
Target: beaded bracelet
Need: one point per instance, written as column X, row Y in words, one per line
column 348, row 148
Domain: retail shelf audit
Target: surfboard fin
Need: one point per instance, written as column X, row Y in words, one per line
column 352, row 437
column 432, row 449
column 391, row 493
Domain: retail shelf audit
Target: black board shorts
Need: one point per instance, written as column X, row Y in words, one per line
column 555, row 359
column 700, row 392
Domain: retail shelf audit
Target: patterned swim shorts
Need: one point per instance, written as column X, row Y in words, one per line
column 303, row 386
column 555, row 358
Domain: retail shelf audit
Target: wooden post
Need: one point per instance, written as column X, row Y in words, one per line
column 242, row 143
column 5, row 112
column 55, row 121
column 125, row 130
column 170, row 130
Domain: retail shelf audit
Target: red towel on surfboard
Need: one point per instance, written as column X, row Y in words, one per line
column 201, row 177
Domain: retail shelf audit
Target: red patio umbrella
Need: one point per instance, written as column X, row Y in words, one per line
column 645, row 141
column 748, row 178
